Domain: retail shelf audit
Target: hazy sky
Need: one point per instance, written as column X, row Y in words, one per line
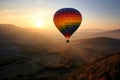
column 103, row 14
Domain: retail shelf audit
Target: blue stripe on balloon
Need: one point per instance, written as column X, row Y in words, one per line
column 69, row 30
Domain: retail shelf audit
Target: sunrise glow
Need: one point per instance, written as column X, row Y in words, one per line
column 39, row 24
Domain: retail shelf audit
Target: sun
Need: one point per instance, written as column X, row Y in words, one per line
column 38, row 23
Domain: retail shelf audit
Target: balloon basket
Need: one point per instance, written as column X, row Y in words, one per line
column 67, row 41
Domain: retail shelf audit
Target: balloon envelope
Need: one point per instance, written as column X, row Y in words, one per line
column 67, row 20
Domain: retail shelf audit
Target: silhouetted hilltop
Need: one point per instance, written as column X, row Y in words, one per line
column 11, row 34
column 14, row 39
column 117, row 31
column 111, row 34
column 102, row 33
column 9, row 26
column 100, row 40
column 100, row 44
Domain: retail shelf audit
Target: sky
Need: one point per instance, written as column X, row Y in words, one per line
column 97, row 14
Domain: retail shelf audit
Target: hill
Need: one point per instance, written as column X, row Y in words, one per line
column 15, row 35
column 112, row 34
column 13, row 38
column 100, row 40
column 117, row 31
column 102, row 33
column 103, row 44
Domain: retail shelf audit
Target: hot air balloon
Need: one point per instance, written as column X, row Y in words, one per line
column 67, row 21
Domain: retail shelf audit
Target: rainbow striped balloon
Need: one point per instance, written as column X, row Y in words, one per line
column 67, row 20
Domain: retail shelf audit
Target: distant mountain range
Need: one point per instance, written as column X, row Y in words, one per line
column 102, row 44
column 117, row 31
column 15, row 35
column 11, row 35
column 111, row 34
column 94, row 33
column 100, row 40
column 13, row 38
